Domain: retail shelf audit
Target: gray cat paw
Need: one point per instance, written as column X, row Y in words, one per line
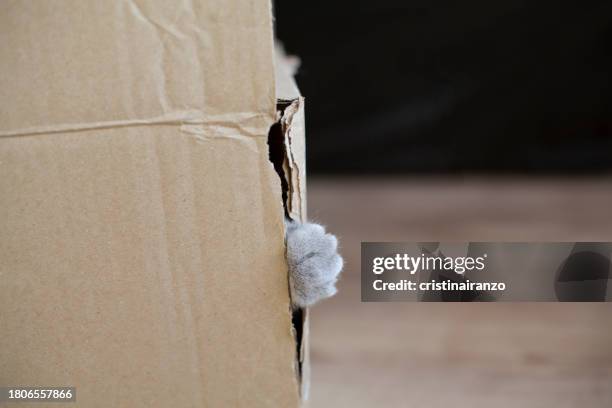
column 314, row 263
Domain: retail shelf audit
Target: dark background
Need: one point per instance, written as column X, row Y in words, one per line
column 446, row 86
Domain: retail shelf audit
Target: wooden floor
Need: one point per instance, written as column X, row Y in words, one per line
column 459, row 355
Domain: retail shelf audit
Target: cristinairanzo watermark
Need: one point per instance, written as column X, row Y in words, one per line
column 485, row 271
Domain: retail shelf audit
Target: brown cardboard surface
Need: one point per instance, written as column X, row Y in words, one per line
column 141, row 222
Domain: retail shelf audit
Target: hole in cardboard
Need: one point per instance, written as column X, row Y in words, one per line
column 277, row 155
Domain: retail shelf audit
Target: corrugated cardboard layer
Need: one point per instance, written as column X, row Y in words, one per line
column 293, row 126
column 141, row 223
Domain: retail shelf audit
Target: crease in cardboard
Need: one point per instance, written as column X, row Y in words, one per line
column 245, row 124
column 209, row 133
column 170, row 29
column 160, row 66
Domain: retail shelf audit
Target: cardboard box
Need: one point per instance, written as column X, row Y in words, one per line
column 142, row 255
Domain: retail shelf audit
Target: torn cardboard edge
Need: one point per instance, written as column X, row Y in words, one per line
column 290, row 115
column 280, row 155
column 286, row 142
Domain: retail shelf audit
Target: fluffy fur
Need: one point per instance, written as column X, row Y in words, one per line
column 314, row 263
